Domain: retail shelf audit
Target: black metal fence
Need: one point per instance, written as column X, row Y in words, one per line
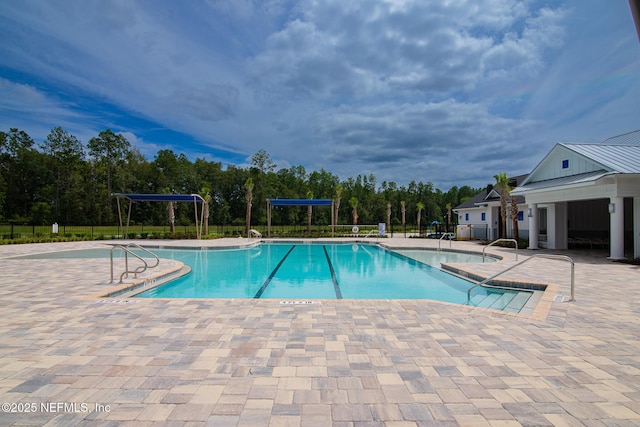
column 16, row 231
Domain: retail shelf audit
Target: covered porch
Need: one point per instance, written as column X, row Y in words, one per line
column 599, row 213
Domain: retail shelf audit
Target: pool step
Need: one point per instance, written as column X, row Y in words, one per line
column 518, row 302
column 508, row 301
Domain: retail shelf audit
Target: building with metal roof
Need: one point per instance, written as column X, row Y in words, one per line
column 586, row 193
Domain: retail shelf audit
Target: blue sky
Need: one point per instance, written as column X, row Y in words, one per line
column 450, row 92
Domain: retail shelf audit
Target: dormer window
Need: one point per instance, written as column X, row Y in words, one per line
column 565, row 164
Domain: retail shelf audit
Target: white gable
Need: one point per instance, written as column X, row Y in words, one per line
column 561, row 162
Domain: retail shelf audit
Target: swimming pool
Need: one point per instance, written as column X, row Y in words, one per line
column 315, row 271
column 294, row 271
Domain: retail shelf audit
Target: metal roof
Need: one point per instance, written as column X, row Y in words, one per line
column 300, row 202
column 583, row 178
column 615, row 157
column 631, row 138
column 161, row 197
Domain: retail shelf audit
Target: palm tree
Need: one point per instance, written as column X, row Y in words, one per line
column 205, row 209
column 171, row 213
column 248, row 185
column 354, row 205
column 403, row 207
column 172, row 217
column 502, row 184
column 389, row 215
column 420, row 206
column 514, row 214
column 448, row 206
column 337, row 205
column 309, row 212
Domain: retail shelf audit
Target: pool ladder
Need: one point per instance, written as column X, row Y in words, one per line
column 485, row 282
column 139, row 269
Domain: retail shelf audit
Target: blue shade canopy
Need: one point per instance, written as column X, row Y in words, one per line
column 300, row 202
column 161, row 197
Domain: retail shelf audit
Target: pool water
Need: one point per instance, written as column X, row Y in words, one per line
column 320, row 271
column 304, row 271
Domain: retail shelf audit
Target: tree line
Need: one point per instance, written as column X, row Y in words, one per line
column 65, row 181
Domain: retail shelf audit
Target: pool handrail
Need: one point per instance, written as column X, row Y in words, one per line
column 548, row 256
column 443, row 236
column 126, row 250
column 370, row 233
column 500, row 240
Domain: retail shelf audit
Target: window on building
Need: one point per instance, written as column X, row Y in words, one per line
column 484, row 216
column 565, row 164
column 520, row 215
column 466, row 217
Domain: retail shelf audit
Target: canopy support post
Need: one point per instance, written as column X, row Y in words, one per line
column 333, row 219
column 126, row 234
column 268, row 218
column 119, row 214
column 195, row 210
column 201, row 215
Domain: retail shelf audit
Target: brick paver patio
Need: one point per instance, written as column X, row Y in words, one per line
column 68, row 357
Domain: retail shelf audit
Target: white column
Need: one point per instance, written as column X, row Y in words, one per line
column 489, row 211
column 636, row 227
column 562, row 228
column 533, row 227
column 616, row 239
column 551, row 226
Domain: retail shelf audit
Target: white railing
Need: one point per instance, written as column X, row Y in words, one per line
column 449, row 235
column 548, row 256
column 500, row 240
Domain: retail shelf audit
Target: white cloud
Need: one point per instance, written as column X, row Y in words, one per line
column 333, row 50
column 365, row 86
column 26, row 107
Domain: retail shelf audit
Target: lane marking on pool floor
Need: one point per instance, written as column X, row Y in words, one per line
column 336, row 285
column 273, row 273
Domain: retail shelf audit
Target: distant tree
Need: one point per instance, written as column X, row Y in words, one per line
column 65, row 153
column 262, row 161
column 58, row 182
column 25, row 175
column 110, row 152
